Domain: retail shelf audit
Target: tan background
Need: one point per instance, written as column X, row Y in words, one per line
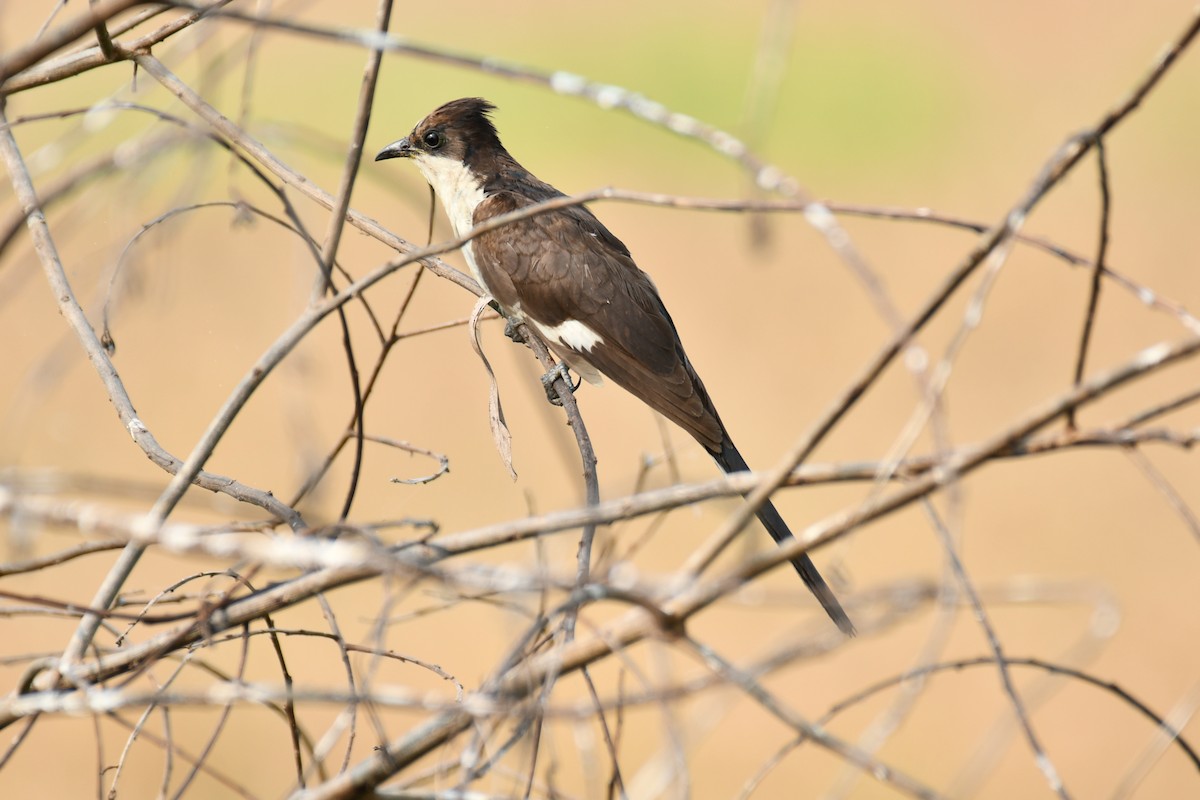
column 948, row 106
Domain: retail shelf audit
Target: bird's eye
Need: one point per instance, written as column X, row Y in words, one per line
column 433, row 139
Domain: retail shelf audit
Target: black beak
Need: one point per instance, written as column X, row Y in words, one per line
column 400, row 149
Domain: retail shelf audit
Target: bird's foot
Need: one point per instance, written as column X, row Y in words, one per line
column 513, row 331
column 560, row 370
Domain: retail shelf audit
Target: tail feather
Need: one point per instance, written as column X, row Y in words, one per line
column 730, row 460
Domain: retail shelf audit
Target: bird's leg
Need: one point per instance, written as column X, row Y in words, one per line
column 560, row 370
column 512, row 328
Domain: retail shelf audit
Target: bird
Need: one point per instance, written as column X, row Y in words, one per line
column 568, row 277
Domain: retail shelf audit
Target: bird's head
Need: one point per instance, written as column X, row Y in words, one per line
column 459, row 131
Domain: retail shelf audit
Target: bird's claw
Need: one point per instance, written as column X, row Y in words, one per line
column 560, row 370
column 512, row 331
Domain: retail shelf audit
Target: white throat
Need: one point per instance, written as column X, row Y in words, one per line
column 460, row 191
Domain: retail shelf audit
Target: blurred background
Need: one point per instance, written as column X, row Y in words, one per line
column 1086, row 558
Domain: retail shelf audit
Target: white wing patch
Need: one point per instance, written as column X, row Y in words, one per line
column 579, row 338
column 573, row 334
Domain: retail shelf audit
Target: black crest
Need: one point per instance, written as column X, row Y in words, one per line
column 468, row 118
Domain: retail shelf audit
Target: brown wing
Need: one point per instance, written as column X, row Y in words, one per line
column 565, row 265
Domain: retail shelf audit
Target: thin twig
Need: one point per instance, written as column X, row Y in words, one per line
column 1049, row 771
column 1089, row 319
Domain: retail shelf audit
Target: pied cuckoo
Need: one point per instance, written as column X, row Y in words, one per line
column 565, row 275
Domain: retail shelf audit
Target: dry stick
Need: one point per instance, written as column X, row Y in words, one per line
column 704, row 555
column 692, row 598
column 30, row 54
column 348, row 719
column 55, row 559
column 71, row 310
column 136, row 428
column 929, row 410
column 134, row 20
column 587, row 455
column 358, row 134
column 968, row 459
column 1058, row 166
column 863, row 760
column 1097, row 271
column 660, row 199
column 615, row 783
column 1163, row 485
column 1176, row 720
column 239, row 207
column 45, row 26
column 776, row 37
column 1160, row 722
column 71, row 64
column 105, row 164
column 298, row 736
column 767, row 767
column 337, row 225
column 175, row 751
column 1163, row 408
column 968, row 588
column 100, row 358
column 222, row 718
column 1142, row 293
column 442, row 459
column 136, row 731
column 189, row 539
column 634, row 626
column 387, row 344
column 105, row 41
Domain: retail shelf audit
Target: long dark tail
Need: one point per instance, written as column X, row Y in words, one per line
column 730, row 460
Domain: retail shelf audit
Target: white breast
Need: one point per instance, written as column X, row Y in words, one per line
column 460, row 191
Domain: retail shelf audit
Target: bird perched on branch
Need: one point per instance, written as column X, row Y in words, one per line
column 565, row 275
